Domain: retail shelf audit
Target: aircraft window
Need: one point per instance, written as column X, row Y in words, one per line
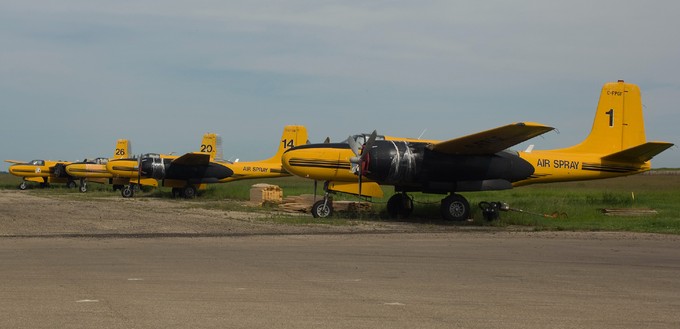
column 101, row 160
column 361, row 139
column 151, row 155
column 38, row 162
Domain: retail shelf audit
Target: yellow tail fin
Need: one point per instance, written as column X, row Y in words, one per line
column 618, row 124
column 212, row 143
column 292, row 136
column 122, row 150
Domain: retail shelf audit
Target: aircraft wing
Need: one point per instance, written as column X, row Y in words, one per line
column 15, row 161
column 493, row 140
column 193, row 159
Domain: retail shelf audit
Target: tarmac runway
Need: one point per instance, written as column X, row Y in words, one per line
column 424, row 280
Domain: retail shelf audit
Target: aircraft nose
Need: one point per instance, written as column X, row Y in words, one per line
column 286, row 162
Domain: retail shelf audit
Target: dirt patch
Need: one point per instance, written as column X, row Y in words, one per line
column 26, row 214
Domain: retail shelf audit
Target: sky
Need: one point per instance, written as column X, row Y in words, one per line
column 76, row 75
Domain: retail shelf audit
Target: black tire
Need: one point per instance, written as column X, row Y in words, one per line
column 127, row 191
column 455, row 208
column 322, row 209
column 189, row 192
column 71, row 184
column 176, row 192
column 399, row 206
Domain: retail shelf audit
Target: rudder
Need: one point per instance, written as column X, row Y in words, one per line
column 618, row 123
column 122, row 150
column 212, row 143
column 292, row 136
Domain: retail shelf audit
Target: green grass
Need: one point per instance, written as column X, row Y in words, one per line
column 580, row 201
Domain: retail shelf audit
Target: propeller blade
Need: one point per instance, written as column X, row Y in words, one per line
column 139, row 169
column 360, row 185
column 365, row 150
column 354, row 145
column 371, row 139
column 363, row 157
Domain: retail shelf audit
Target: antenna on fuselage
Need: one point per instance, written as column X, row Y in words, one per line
column 423, row 133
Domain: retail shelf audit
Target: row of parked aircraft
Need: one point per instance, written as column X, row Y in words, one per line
column 185, row 174
column 616, row 146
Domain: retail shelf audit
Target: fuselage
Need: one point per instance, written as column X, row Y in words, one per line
column 255, row 169
column 89, row 169
column 558, row 166
column 35, row 168
column 163, row 168
column 410, row 166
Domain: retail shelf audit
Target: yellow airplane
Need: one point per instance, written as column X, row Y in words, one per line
column 185, row 174
column 124, row 172
column 95, row 170
column 616, row 146
column 43, row 172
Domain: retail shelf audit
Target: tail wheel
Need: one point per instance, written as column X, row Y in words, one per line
column 399, row 206
column 455, row 208
column 322, row 208
column 23, row 186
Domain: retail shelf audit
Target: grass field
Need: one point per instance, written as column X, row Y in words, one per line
column 580, row 203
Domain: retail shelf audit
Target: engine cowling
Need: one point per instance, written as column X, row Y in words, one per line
column 154, row 167
column 394, row 162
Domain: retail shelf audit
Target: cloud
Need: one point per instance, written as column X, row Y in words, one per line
column 164, row 72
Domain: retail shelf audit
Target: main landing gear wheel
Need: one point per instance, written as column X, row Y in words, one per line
column 322, row 208
column 23, row 186
column 399, row 206
column 189, row 192
column 455, row 208
column 127, row 191
column 71, row 184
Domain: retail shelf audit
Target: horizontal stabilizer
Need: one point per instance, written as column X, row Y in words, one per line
column 193, row 159
column 493, row 140
column 641, row 153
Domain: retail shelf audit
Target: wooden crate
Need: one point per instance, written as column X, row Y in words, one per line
column 265, row 193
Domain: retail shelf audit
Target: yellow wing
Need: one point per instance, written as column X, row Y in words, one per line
column 15, row 161
column 493, row 140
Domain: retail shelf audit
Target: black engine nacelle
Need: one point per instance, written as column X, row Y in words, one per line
column 394, row 162
column 154, row 167
column 414, row 165
column 158, row 168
